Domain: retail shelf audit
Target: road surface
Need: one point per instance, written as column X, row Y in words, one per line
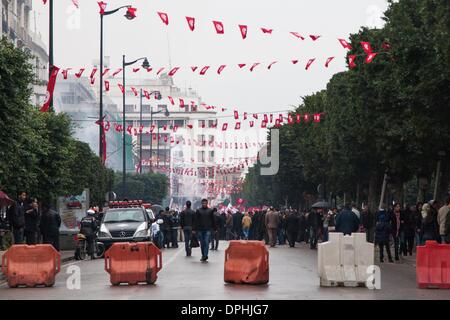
column 293, row 275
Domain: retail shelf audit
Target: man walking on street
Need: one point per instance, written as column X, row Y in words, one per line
column 215, row 235
column 186, row 222
column 204, row 222
column 32, row 220
column 271, row 221
column 292, row 227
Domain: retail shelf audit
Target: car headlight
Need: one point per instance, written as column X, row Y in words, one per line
column 104, row 232
column 142, row 234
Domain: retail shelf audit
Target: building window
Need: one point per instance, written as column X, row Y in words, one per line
column 201, row 156
column 211, row 123
column 68, row 98
column 211, row 139
column 179, row 123
column 211, row 156
column 129, row 108
column 201, row 123
column 162, row 107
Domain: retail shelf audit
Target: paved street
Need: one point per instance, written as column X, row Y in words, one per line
column 293, row 276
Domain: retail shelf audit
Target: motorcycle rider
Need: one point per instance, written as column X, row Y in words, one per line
column 88, row 227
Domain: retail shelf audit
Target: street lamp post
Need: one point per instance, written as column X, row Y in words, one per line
column 50, row 44
column 145, row 64
column 105, row 13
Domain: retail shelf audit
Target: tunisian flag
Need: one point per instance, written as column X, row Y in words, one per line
column 50, row 88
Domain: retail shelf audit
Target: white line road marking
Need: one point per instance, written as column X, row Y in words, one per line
column 172, row 258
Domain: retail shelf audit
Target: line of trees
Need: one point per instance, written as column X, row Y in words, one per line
column 391, row 115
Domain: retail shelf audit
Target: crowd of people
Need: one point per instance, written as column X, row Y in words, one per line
column 403, row 227
column 32, row 223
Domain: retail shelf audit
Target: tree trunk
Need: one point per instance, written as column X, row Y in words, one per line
column 423, row 186
column 373, row 193
column 444, row 182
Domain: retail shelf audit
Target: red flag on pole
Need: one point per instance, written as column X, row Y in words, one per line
column 219, row 27
column 50, row 89
column 329, row 61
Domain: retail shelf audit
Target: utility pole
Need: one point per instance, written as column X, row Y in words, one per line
column 50, row 44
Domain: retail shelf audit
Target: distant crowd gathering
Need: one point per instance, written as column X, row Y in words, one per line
column 404, row 227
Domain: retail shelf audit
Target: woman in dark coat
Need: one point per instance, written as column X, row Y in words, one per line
column 383, row 233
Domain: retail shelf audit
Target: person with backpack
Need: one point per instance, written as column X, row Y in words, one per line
column 383, row 233
column 347, row 221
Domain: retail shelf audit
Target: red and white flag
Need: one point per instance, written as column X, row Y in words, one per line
column 106, row 85
column 102, row 6
column 366, row 47
column 94, row 71
column 65, row 73
column 50, row 89
column 79, row 73
column 173, row 71
column 294, row 61
column 254, row 66
column 164, row 17
column 219, row 71
column 297, row 35
column 370, row 57
column 181, row 103
column 237, row 126
column 117, row 72
column 105, row 72
column 314, row 38
column 194, row 68
column 204, row 69
column 310, row 62
column 134, row 91
column 345, row 44
column 268, row 31
column 236, row 115
column 191, row 23
column 147, row 94
column 122, row 89
column 136, row 70
column 244, row 30
column 351, row 61
column 271, row 64
column 219, row 27
column 241, row 65
column 159, row 71
column 225, row 126
column 328, row 61
column 171, row 100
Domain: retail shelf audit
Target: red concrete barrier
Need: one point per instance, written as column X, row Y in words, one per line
column 30, row 266
column 246, row 262
column 133, row 263
column 433, row 265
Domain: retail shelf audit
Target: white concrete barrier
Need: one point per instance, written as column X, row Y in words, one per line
column 343, row 260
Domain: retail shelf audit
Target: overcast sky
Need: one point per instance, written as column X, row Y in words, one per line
column 77, row 43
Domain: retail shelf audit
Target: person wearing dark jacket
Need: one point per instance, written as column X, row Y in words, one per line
column 166, row 228
column 16, row 217
column 313, row 222
column 237, row 225
column 50, row 223
column 383, row 233
column 215, row 233
column 397, row 222
column 347, row 221
column 204, row 222
column 175, row 225
column 186, row 223
column 409, row 230
column 292, row 228
column 368, row 223
column 32, row 219
column 88, row 227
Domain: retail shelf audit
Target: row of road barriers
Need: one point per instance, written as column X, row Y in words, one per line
column 342, row 261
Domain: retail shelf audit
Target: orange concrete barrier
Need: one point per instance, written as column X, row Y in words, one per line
column 246, row 262
column 133, row 263
column 433, row 265
column 30, row 266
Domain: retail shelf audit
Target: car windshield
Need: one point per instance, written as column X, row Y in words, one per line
column 124, row 216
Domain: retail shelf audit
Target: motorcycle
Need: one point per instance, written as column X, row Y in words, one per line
column 81, row 248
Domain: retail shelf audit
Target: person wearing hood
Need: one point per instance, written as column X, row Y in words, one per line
column 382, row 234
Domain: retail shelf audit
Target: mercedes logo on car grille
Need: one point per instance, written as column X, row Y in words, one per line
column 123, row 234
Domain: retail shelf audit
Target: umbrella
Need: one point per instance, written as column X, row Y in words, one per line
column 321, row 204
column 5, row 200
